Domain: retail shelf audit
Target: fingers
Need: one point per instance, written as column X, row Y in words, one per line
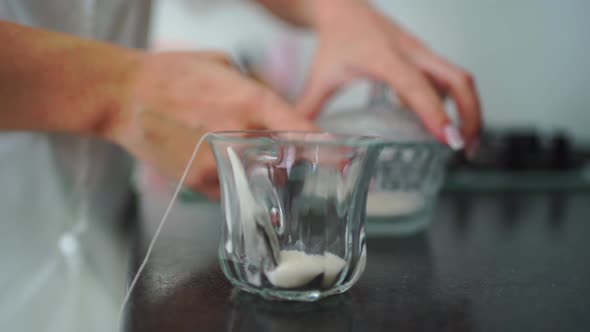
column 202, row 175
column 420, row 95
column 275, row 114
column 461, row 86
column 209, row 188
column 268, row 111
column 260, row 110
column 319, row 89
column 413, row 88
column 216, row 56
column 212, row 192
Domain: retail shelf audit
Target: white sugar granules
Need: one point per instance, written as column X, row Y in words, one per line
column 296, row 269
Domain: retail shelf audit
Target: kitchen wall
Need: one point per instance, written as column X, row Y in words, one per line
column 530, row 57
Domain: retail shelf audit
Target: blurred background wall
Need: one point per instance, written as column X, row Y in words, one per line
column 530, row 57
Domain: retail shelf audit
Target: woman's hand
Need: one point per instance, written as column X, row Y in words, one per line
column 357, row 41
column 157, row 106
column 178, row 97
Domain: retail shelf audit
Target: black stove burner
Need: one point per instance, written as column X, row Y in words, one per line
column 524, row 150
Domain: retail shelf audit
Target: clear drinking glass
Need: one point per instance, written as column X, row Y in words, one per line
column 409, row 174
column 294, row 209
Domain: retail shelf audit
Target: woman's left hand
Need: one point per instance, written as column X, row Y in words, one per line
column 357, row 41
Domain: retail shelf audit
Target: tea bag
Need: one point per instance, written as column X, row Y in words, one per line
column 255, row 221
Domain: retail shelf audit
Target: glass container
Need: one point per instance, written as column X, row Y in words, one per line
column 294, row 209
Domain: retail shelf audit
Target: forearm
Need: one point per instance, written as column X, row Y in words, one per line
column 304, row 13
column 55, row 82
column 297, row 12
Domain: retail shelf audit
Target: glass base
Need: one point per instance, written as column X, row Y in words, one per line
column 240, row 297
column 290, row 295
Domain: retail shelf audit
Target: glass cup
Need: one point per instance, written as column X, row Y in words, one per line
column 294, row 209
column 409, row 174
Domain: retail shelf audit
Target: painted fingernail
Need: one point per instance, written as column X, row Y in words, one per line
column 453, row 137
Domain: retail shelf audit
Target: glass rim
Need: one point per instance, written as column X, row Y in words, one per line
column 314, row 137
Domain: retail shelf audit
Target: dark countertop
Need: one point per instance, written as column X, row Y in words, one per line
column 489, row 262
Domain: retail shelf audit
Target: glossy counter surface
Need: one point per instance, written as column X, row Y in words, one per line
column 489, row 262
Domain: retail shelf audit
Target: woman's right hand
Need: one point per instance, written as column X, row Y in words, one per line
column 175, row 98
column 156, row 105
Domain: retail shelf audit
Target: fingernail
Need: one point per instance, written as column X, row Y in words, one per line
column 453, row 137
